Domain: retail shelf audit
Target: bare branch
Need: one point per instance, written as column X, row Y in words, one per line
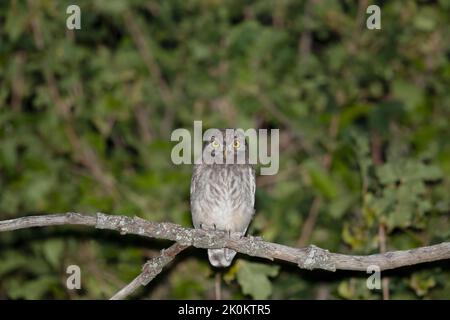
column 150, row 270
column 47, row 220
column 310, row 257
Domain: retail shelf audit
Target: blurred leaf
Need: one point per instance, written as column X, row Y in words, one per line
column 422, row 283
column 408, row 93
column 32, row 288
column 53, row 250
column 321, row 181
column 254, row 278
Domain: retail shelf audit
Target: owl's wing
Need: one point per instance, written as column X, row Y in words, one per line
column 252, row 185
column 194, row 179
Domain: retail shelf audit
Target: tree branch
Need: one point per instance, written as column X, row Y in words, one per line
column 310, row 257
column 150, row 270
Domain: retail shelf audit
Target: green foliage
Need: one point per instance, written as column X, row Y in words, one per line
column 86, row 117
column 254, row 278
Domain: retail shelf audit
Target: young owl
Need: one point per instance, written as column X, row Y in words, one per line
column 223, row 188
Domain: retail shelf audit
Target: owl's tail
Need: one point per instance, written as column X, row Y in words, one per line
column 221, row 257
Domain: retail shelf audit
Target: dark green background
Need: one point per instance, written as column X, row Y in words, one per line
column 86, row 117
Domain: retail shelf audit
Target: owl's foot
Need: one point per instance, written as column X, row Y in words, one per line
column 213, row 227
column 208, row 227
column 230, row 232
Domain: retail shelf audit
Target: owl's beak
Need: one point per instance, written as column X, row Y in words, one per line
column 224, row 153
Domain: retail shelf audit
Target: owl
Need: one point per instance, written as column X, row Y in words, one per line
column 223, row 188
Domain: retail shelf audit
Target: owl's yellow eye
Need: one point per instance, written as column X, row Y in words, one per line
column 236, row 144
column 215, row 144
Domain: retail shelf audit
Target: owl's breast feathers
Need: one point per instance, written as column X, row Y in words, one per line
column 223, row 196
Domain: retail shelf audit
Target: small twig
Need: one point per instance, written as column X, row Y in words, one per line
column 314, row 210
column 382, row 240
column 150, row 270
column 377, row 159
column 144, row 49
column 305, row 41
column 310, row 222
column 217, row 288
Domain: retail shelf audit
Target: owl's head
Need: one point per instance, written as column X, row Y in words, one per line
column 225, row 146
